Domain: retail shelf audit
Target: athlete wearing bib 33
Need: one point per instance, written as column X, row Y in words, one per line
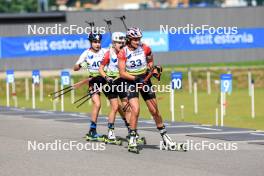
column 90, row 59
column 134, row 61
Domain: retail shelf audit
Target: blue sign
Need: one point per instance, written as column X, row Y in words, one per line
column 245, row 38
column 176, row 80
column 226, row 83
column 51, row 45
column 156, row 41
column 10, row 77
column 65, row 78
column 61, row 45
column 35, row 76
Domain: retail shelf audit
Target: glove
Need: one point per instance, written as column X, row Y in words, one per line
column 157, row 72
column 139, row 79
column 84, row 65
column 159, row 68
column 109, row 80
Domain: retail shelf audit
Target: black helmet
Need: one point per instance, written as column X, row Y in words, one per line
column 94, row 36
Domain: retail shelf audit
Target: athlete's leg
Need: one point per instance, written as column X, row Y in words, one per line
column 154, row 111
column 114, row 108
column 125, row 115
column 95, row 107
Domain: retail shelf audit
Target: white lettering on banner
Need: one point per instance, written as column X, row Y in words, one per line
column 153, row 42
column 221, row 39
column 234, row 39
column 69, row 44
column 44, row 45
column 201, row 40
column 41, row 45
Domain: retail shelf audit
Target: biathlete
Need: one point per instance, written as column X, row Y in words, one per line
column 134, row 61
column 109, row 70
column 90, row 59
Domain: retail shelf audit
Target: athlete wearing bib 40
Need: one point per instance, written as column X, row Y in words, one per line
column 133, row 61
column 91, row 60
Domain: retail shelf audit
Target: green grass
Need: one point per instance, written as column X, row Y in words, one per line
column 238, row 103
column 256, row 63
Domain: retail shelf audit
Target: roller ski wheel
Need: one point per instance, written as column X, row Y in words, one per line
column 97, row 138
column 113, row 141
column 183, row 147
column 133, row 149
column 177, row 147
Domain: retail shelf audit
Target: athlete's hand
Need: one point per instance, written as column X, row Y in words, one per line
column 139, row 79
column 109, row 80
column 84, row 65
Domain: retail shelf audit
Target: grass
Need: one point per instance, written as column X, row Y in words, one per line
column 256, row 63
column 238, row 103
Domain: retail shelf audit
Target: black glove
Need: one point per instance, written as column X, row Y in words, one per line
column 159, row 68
column 109, row 80
column 139, row 79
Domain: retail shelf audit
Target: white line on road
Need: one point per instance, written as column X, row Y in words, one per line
column 205, row 133
column 206, row 128
column 258, row 134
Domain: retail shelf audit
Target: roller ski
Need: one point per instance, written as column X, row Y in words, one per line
column 93, row 136
column 132, row 145
column 168, row 144
column 139, row 140
column 111, row 139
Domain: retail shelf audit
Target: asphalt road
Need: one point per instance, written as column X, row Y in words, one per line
column 19, row 128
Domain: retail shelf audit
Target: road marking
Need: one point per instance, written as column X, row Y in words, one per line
column 258, row 134
column 45, row 112
column 206, row 128
column 154, row 127
column 205, row 133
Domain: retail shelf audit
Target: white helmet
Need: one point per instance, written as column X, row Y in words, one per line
column 118, row 37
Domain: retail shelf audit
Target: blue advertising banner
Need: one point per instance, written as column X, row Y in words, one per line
column 59, row 45
column 52, row 45
column 245, row 38
column 158, row 42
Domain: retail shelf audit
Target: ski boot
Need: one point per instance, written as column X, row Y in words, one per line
column 111, row 138
column 168, row 144
column 140, row 140
column 93, row 136
column 132, row 145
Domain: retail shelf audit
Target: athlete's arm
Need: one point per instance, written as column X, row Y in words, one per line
column 104, row 62
column 149, row 55
column 122, row 66
column 81, row 59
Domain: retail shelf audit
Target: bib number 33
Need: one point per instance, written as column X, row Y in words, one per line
column 136, row 63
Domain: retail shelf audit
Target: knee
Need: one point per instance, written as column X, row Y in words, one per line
column 114, row 107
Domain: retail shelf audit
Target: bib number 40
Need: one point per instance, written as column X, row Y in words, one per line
column 96, row 64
